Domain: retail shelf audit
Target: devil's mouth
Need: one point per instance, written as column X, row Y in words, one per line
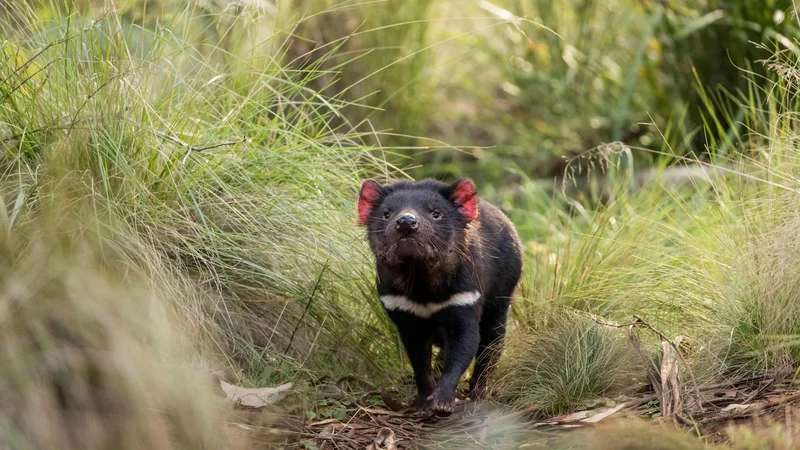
column 405, row 242
column 408, row 244
column 405, row 250
column 408, row 247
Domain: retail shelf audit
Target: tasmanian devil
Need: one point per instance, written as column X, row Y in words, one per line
column 447, row 266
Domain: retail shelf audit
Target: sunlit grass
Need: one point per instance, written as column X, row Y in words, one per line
column 234, row 173
column 180, row 190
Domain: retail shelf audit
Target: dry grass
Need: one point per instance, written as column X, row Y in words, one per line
column 96, row 358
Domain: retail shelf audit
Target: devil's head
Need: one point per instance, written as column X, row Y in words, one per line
column 417, row 223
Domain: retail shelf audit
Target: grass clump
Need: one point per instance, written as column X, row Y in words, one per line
column 232, row 171
column 564, row 363
column 92, row 359
column 711, row 259
column 754, row 326
column 215, row 195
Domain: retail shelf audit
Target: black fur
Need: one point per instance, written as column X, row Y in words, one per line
column 446, row 255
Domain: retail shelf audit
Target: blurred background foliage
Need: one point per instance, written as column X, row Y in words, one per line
column 517, row 86
column 505, row 89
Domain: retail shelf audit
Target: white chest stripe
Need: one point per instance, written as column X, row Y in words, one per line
column 402, row 303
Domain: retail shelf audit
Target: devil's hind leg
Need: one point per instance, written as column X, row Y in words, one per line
column 493, row 332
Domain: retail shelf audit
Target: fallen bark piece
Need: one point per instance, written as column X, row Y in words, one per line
column 574, row 417
column 254, row 397
column 604, row 413
column 671, row 400
column 589, row 415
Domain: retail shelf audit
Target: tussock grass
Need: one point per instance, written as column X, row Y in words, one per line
column 566, row 361
column 95, row 359
column 230, row 170
column 754, row 318
column 518, row 84
column 709, row 258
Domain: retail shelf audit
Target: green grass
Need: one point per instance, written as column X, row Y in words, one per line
column 178, row 187
column 259, row 220
column 516, row 85
column 566, row 363
column 711, row 261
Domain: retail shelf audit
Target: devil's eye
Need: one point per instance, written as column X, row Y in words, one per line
column 386, row 215
column 436, row 214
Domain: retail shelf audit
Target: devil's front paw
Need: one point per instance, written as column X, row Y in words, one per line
column 440, row 403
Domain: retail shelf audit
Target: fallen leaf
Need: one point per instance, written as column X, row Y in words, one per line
column 385, row 440
column 254, row 397
column 736, row 408
column 391, row 402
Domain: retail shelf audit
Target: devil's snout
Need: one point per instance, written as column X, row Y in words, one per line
column 406, row 223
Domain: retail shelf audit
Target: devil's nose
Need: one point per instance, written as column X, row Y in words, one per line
column 406, row 223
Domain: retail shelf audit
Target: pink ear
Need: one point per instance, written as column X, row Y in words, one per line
column 370, row 193
column 464, row 194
